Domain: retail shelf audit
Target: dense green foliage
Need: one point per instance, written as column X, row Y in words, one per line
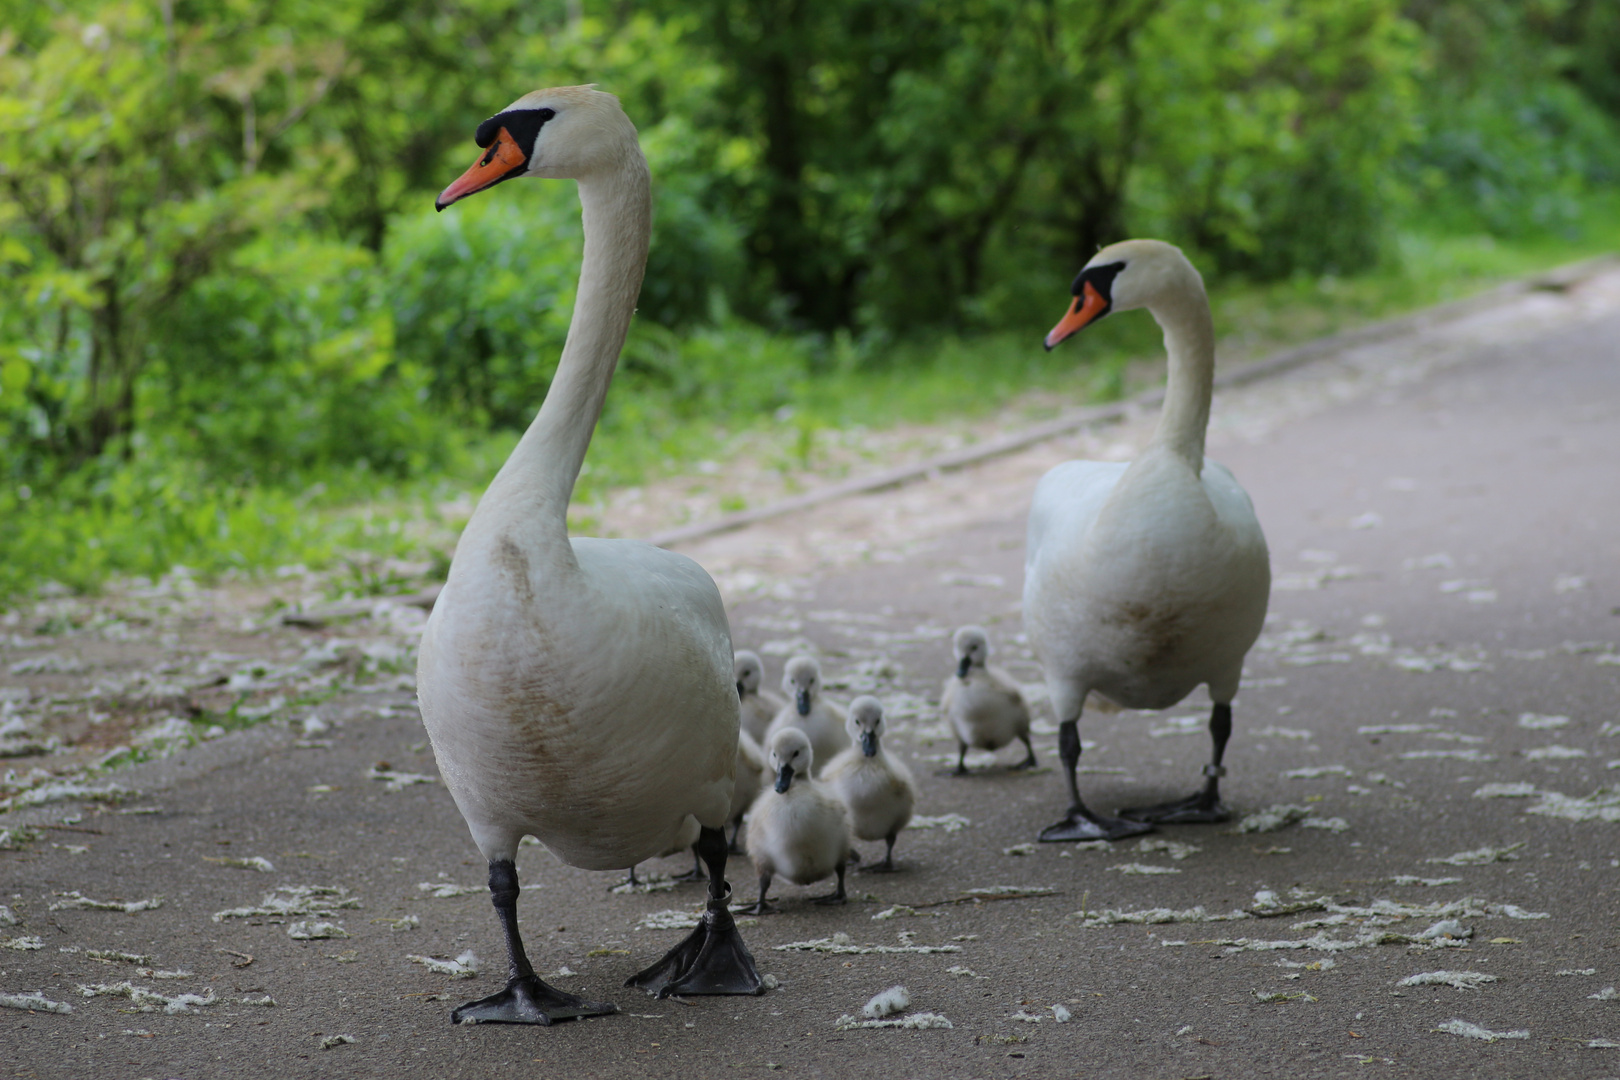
column 228, row 303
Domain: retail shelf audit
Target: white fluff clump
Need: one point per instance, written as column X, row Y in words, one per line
column 1060, row 1014
column 1273, row 818
column 1480, row 856
column 464, row 966
column 1459, row 980
column 896, row 999
column 304, row 930
column 1474, row 1031
column 916, row 1022
column 77, row 901
column 1605, row 994
column 146, row 1000
column 1537, row 722
column 34, row 1002
column 1506, row 791
column 948, row 822
column 669, row 920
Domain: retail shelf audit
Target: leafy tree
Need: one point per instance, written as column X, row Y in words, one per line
column 119, row 185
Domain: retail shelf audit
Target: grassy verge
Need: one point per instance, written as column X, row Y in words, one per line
column 698, row 399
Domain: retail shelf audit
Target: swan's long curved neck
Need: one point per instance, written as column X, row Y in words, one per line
column 537, row 481
column 1189, row 339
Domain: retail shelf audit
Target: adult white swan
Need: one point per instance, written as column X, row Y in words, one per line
column 1143, row 581
column 581, row 692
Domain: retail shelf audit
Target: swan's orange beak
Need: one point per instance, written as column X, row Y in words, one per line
column 497, row 163
column 1087, row 307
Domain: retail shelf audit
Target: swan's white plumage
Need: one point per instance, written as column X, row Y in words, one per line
column 823, row 724
column 801, row 834
column 1143, row 581
column 750, row 778
column 878, row 790
column 759, row 705
column 986, row 707
column 579, row 691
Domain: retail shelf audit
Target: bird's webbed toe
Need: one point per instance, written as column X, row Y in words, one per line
column 713, row 959
column 1081, row 825
column 529, row 1000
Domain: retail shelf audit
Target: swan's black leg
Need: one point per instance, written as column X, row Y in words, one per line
column 526, row 999
column 838, row 896
column 760, row 906
column 713, row 959
column 1081, row 823
column 1029, row 756
column 697, row 873
column 961, row 759
column 1203, row 807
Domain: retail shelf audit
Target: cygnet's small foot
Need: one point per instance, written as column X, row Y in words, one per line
column 1088, row 826
column 691, row 876
column 887, row 866
column 1193, row 810
column 830, row 899
column 1027, row 763
column 758, row 907
column 712, row 960
column 528, row 1000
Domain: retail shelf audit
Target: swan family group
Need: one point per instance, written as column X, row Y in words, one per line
column 585, row 692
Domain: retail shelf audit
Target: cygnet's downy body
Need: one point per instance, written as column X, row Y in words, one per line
column 877, row 788
column 749, row 783
column 821, row 721
column 798, row 829
column 759, row 706
column 984, row 705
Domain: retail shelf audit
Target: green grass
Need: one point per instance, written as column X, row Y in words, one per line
column 678, row 401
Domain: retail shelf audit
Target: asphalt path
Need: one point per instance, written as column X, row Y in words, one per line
column 1447, row 553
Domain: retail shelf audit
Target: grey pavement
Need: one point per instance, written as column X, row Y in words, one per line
column 1448, row 559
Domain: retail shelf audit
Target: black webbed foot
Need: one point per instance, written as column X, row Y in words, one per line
column 1081, row 824
column 529, row 1000
column 712, row 960
column 1197, row 809
column 837, row 896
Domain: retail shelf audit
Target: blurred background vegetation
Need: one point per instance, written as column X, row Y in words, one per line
column 230, row 316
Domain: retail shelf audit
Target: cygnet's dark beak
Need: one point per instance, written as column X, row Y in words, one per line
column 742, row 691
column 962, row 666
column 869, row 743
column 784, row 778
column 803, row 702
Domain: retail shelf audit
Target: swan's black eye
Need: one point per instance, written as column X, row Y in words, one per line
column 1101, row 278
column 522, row 124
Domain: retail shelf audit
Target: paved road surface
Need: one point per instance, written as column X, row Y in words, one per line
column 1446, row 541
